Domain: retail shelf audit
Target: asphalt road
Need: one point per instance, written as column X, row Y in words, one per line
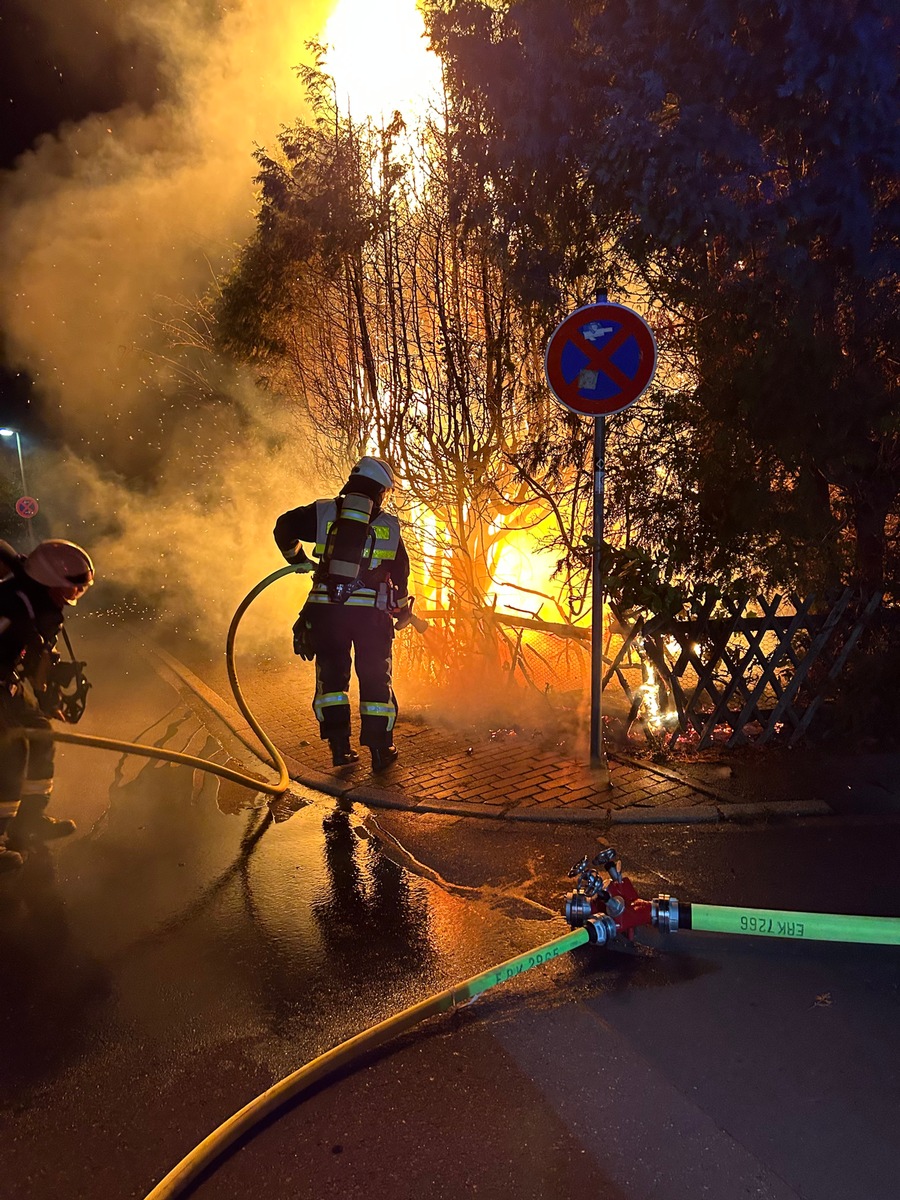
column 182, row 953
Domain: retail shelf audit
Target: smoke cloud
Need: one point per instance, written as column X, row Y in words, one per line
column 109, row 229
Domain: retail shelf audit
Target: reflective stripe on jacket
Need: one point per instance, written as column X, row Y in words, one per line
column 383, row 541
column 384, row 553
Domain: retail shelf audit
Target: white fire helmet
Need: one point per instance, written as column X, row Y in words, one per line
column 376, row 469
column 61, row 566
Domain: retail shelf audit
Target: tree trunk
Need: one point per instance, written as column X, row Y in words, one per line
column 870, row 509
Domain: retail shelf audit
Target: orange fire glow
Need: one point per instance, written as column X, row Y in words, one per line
column 379, row 59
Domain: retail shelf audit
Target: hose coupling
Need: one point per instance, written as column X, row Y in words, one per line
column 664, row 913
column 578, row 908
column 601, row 930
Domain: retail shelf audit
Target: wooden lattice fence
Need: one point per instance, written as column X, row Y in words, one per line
column 761, row 668
column 738, row 671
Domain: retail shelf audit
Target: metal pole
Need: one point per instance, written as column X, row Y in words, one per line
column 598, row 758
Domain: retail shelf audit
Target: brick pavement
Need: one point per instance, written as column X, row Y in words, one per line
column 472, row 771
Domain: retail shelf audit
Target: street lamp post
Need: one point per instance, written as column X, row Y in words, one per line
column 8, row 433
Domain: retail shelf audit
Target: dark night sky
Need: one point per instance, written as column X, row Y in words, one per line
column 43, row 84
column 55, row 67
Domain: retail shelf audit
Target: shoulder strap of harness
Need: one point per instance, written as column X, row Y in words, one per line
column 28, row 605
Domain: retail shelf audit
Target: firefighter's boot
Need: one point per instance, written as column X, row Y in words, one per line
column 9, row 859
column 31, row 824
column 384, row 757
column 341, row 753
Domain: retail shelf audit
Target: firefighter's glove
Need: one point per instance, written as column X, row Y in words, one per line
column 303, row 639
column 298, row 558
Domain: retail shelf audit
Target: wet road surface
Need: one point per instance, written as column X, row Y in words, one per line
column 182, row 953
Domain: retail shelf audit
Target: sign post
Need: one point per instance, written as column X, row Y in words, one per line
column 600, row 359
column 26, row 501
column 597, row 755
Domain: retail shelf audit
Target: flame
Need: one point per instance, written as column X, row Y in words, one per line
column 378, row 58
column 656, row 718
column 431, row 587
column 521, row 575
column 518, row 572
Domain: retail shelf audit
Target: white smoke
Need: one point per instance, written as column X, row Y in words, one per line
column 109, row 229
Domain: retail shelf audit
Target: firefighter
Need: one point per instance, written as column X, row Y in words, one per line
column 359, row 590
column 35, row 591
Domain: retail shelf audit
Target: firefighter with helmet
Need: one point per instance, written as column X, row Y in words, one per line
column 358, row 595
column 35, row 591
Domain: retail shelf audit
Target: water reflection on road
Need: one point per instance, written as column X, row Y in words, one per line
column 184, row 950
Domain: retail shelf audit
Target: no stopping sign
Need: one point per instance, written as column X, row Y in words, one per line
column 600, row 359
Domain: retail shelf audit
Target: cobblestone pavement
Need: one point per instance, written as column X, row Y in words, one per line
column 513, row 773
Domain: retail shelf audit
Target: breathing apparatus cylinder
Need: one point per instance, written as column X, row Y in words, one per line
column 346, row 544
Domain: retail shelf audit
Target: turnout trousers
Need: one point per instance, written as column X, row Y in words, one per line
column 26, row 768
column 346, row 636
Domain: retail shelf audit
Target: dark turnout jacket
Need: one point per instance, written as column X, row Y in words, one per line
column 29, row 620
column 384, row 557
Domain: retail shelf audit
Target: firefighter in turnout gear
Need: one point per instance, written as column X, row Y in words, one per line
column 359, row 588
column 34, row 593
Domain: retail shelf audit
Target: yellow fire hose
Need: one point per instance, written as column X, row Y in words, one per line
column 175, row 756
column 347, row 1053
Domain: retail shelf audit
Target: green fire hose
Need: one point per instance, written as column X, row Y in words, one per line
column 807, row 926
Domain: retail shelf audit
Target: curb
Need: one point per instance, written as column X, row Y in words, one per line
column 387, row 799
column 234, row 720
column 228, row 715
column 699, row 814
column 778, row 808
column 701, row 789
column 728, row 809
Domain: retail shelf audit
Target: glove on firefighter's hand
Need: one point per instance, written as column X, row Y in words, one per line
column 297, row 557
column 303, row 638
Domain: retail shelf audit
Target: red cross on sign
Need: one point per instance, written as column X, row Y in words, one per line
column 600, row 359
column 27, row 507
